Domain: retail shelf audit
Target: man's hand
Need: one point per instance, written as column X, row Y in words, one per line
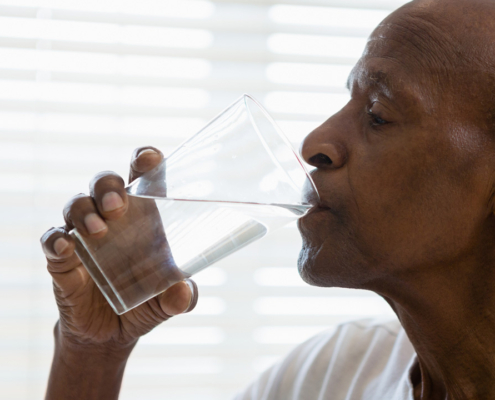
column 87, row 324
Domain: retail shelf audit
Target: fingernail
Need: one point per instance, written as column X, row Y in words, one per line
column 94, row 223
column 111, row 201
column 60, row 245
column 147, row 151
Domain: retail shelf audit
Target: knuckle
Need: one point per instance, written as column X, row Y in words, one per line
column 49, row 237
column 74, row 199
column 105, row 179
column 105, row 175
column 77, row 204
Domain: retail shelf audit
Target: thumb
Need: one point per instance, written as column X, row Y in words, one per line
column 180, row 298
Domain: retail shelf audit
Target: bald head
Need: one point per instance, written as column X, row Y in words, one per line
column 451, row 44
column 457, row 29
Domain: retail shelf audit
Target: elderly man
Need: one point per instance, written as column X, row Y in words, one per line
column 406, row 173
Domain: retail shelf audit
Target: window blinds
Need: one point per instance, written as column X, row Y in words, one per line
column 82, row 83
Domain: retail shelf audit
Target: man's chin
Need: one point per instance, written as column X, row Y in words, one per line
column 321, row 268
column 306, row 266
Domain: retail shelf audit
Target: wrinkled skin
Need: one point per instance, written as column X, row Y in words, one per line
column 405, row 173
column 92, row 343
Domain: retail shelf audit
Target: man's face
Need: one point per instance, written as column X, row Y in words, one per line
column 409, row 184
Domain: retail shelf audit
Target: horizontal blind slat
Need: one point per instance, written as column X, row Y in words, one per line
column 247, row 24
column 59, row 105
column 234, row 54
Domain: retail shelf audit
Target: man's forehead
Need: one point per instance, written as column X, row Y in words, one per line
column 402, row 58
column 415, row 39
column 429, row 52
column 388, row 78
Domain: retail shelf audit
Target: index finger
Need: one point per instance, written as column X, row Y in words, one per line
column 63, row 264
column 144, row 159
column 59, row 247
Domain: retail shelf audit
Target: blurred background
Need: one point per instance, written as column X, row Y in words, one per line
column 82, row 83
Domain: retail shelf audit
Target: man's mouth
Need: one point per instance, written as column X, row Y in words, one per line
column 312, row 197
column 321, row 207
column 317, row 208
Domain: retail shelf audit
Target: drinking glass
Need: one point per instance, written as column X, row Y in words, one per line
column 230, row 184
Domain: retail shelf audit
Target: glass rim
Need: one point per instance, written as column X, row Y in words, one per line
column 270, row 119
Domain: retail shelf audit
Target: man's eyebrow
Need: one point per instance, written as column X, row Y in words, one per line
column 377, row 79
column 381, row 78
column 391, row 84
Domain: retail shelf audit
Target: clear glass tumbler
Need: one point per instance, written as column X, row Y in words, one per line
column 234, row 181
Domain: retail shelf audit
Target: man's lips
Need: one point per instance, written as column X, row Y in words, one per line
column 313, row 199
column 312, row 218
column 311, row 195
column 317, row 208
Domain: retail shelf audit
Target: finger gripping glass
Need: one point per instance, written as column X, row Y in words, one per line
column 230, row 184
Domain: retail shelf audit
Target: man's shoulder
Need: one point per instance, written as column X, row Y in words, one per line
column 348, row 356
column 353, row 338
column 356, row 333
column 387, row 327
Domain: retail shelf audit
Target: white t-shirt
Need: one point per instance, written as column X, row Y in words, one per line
column 361, row 360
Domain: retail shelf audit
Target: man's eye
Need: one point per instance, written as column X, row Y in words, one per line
column 375, row 120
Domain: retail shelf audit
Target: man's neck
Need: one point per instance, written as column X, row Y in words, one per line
column 450, row 320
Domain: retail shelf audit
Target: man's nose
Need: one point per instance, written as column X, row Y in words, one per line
column 321, row 150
